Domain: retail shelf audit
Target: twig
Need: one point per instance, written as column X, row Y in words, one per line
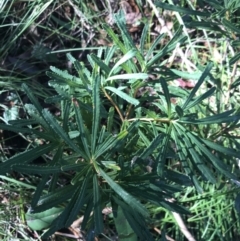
column 183, row 227
column 113, row 103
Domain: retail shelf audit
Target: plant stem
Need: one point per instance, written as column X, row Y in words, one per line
column 113, row 103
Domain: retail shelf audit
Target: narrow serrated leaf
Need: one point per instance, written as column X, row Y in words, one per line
column 98, row 217
column 161, row 158
column 128, row 76
column 234, row 59
column 60, row 132
column 80, row 124
column 198, row 84
column 101, row 64
column 200, row 98
column 154, row 45
column 144, row 38
column 219, row 164
column 153, row 145
column 130, row 54
column 35, row 169
column 176, row 8
column 110, row 119
column 96, row 112
column 32, row 98
column 215, row 119
column 197, row 159
column 79, row 202
column 26, row 157
column 123, row 95
column 230, row 26
column 179, row 111
column 127, row 197
column 166, row 95
column 177, row 39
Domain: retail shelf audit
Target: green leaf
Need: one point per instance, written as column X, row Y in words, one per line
column 63, row 78
column 230, row 26
column 80, row 124
column 17, row 129
column 215, row 119
column 110, row 119
column 234, row 59
column 196, row 158
column 176, row 8
column 61, row 220
column 151, row 147
column 136, row 222
column 23, row 122
column 181, row 151
column 161, row 158
column 83, row 74
column 123, row 95
column 87, row 211
column 35, row 169
column 26, row 157
column 46, row 170
column 154, row 45
column 98, row 217
column 179, row 111
column 178, row 38
column 45, row 178
column 219, row 164
column 211, row 26
column 130, row 54
column 109, row 53
column 111, row 165
column 43, row 220
column 124, row 230
column 96, row 112
column 198, row 84
column 115, row 38
column 60, row 132
column 66, row 114
column 200, row 98
column 101, row 64
column 134, row 76
column 144, row 138
column 144, row 37
column 166, row 95
column 227, row 151
column 186, row 75
column 128, row 41
column 32, row 98
column 79, row 201
column 108, row 143
column 127, row 197
column 54, row 198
